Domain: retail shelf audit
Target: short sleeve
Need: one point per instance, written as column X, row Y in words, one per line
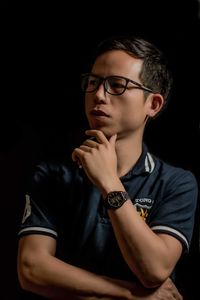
column 174, row 212
column 40, row 204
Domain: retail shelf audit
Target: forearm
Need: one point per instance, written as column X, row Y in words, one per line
column 147, row 255
column 55, row 279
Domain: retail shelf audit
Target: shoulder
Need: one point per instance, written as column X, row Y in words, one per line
column 50, row 171
column 174, row 174
column 173, row 180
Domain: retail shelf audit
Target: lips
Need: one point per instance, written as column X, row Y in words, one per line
column 99, row 113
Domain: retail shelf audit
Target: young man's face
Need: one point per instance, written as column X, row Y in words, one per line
column 122, row 114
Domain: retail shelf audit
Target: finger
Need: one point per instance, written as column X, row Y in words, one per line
column 113, row 139
column 90, row 143
column 85, row 148
column 79, row 163
column 76, row 158
column 99, row 135
column 76, row 154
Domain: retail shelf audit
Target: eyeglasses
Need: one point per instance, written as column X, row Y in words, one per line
column 113, row 85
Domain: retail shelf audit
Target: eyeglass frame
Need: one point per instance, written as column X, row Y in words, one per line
column 103, row 80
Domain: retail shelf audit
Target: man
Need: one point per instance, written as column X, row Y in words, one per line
column 113, row 223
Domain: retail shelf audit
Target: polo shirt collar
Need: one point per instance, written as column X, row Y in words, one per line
column 144, row 165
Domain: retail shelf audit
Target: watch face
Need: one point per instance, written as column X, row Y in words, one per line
column 116, row 199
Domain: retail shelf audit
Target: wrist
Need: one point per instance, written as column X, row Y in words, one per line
column 110, row 187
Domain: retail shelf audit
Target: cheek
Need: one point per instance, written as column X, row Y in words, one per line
column 133, row 115
column 88, row 107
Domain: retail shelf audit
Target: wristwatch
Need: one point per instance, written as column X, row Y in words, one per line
column 115, row 199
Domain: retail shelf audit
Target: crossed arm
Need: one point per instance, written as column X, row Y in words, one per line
column 40, row 272
column 151, row 258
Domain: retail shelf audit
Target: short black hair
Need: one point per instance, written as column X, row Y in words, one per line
column 155, row 73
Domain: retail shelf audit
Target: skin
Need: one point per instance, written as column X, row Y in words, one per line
column 117, row 130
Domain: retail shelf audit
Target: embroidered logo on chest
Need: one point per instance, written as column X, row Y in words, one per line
column 143, row 206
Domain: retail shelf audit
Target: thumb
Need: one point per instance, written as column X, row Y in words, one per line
column 112, row 139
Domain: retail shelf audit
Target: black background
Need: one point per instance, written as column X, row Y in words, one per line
column 43, row 52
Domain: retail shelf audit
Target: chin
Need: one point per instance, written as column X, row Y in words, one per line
column 106, row 131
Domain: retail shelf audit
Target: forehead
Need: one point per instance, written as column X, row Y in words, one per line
column 117, row 62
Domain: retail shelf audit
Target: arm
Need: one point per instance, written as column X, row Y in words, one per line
column 40, row 272
column 150, row 256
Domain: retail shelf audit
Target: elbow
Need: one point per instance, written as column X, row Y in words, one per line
column 24, row 281
column 154, row 278
column 151, row 273
column 26, row 275
column 152, row 282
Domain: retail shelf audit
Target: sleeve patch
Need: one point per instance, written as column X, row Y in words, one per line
column 27, row 209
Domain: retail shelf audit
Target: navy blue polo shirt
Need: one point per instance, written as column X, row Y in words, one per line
column 63, row 203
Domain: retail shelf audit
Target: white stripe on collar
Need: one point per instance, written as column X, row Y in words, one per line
column 149, row 163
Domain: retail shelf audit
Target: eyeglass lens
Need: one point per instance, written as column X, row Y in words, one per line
column 113, row 85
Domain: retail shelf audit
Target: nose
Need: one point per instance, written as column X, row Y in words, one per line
column 100, row 94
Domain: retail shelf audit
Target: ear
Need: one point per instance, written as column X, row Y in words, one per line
column 156, row 102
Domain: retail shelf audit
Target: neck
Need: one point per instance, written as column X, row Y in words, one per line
column 128, row 151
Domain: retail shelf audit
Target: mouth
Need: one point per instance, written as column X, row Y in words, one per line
column 98, row 113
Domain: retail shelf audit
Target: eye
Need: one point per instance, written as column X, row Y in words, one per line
column 93, row 82
column 89, row 83
column 117, row 84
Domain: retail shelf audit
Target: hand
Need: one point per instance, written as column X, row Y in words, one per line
column 167, row 291
column 98, row 158
column 135, row 291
